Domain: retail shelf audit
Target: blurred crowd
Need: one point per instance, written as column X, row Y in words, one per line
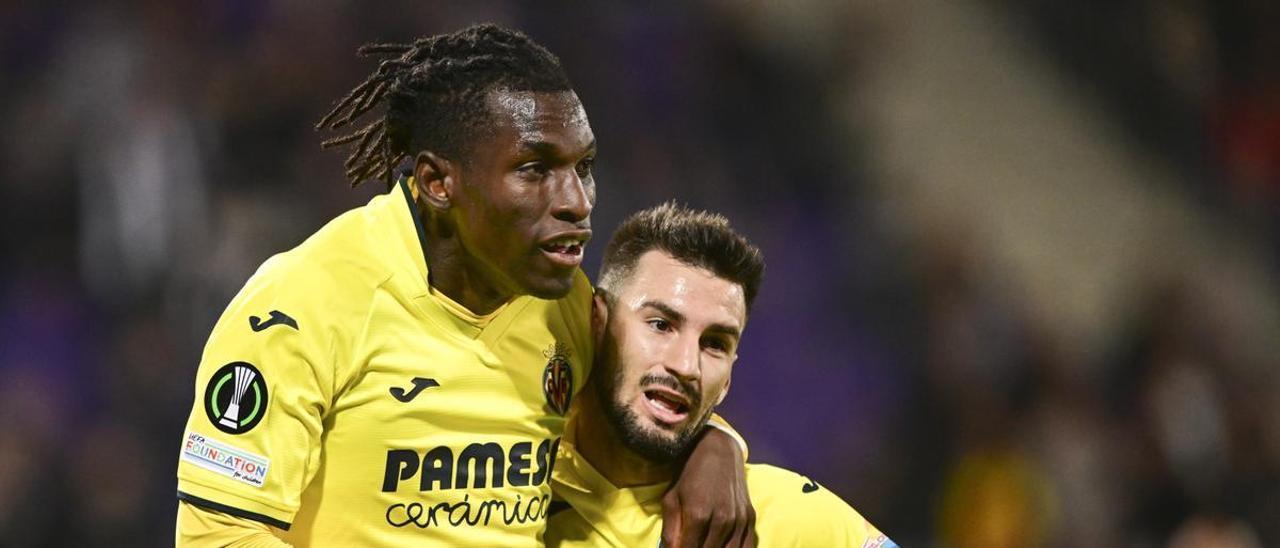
column 1196, row 81
column 155, row 152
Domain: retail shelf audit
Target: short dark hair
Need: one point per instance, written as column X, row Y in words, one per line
column 696, row 238
column 434, row 92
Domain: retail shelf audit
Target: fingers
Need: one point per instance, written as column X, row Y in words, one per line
column 743, row 519
column 685, row 526
column 738, row 536
column 671, row 521
column 743, row 523
column 693, row 527
column 750, row 540
column 718, row 529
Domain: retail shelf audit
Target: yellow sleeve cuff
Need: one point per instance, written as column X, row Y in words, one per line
column 201, row 528
column 722, row 425
column 233, row 504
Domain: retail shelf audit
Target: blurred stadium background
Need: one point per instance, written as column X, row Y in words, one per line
column 1022, row 284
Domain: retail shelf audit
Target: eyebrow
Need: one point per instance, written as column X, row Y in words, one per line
column 679, row 317
column 545, row 148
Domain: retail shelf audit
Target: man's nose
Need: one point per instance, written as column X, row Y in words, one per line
column 572, row 201
column 683, row 359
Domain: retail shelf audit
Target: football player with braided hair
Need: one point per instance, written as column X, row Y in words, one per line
column 403, row 376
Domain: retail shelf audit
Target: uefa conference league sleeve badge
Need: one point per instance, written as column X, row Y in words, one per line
column 236, row 398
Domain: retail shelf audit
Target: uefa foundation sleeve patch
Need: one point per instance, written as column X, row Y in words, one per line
column 232, row 462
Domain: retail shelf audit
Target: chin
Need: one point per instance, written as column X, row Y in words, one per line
column 550, row 288
column 662, row 433
column 657, row 445
column 651, row 440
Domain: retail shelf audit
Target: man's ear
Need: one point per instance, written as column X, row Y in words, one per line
column 436, row 179
column 724, row 392
column 599, row 317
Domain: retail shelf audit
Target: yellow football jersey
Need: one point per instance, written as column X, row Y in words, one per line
column 790, row 510
column 341, row 399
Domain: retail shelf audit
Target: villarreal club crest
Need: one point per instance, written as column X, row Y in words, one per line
column 557, row 378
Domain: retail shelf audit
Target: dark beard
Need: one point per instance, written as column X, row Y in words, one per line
column 649, row 445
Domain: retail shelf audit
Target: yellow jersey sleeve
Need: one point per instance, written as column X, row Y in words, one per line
column 201, row 528
column 266, row 379
column 792, row 510
column 718, row 422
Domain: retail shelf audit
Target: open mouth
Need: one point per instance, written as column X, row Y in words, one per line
column 572, row 248
column 566, row 250
column 666, row 406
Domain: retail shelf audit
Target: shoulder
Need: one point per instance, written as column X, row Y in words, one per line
column 783, row 491
column 793, row 510
column 322, row 289
column 337, row 264
column 346, row 251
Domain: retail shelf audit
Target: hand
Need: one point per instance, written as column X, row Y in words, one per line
column 708, row 504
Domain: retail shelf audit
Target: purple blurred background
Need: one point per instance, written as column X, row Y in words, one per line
column 1022, row 285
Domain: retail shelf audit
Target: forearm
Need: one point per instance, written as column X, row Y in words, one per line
column 201, row 528
column 709, row 505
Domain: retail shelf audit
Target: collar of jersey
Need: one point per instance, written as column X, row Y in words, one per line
column 461, row 312
column 463, row 322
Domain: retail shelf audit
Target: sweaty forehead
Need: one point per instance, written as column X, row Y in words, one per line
column 537, row 115
column 693, row 291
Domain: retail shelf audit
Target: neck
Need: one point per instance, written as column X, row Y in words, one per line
column 453, row 271
column 598, row 442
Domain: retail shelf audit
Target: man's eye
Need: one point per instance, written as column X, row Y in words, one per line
column 716, row 345
column 537, row 169
column 585, row 167
column 659, row 324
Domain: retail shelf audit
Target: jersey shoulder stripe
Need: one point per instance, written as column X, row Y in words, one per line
column 232, row 511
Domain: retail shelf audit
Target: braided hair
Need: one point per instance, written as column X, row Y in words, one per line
column 434, row 91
